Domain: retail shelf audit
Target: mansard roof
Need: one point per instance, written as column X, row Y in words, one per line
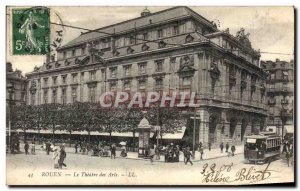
column 171, row 14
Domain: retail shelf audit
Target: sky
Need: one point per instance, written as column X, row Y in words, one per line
column 271, row 28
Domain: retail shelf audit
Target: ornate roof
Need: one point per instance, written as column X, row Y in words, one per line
column 155, row 18
column 144, row 124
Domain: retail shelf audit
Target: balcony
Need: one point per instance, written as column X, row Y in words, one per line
column 280, row 90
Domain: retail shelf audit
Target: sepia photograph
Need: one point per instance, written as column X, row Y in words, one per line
column 150, row 95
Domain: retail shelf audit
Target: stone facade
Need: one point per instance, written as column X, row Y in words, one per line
column 280, row 93
column 175, row 49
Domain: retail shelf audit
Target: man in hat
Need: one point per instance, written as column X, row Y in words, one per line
column 188, row 155
column 62, row 156
column 222, row 147
column 113, row 151
column 227, row 147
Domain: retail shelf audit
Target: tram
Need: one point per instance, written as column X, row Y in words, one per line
column 262, row 148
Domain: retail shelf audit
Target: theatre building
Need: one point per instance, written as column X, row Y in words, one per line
column 171, row 50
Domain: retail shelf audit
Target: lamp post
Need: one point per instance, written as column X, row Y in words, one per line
column 10, row 90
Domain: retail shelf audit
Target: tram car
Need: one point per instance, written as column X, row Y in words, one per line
column 262, row 148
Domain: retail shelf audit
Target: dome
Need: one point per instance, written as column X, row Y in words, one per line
column 145, row 12
column 144, row 124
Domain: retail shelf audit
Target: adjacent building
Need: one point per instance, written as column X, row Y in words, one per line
column 280, row 95
column 175, row 49
column 15, row 86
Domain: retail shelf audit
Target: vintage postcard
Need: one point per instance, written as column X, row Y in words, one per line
column 150, row 95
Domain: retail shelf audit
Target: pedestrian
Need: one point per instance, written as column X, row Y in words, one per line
column 62, row 156
column 288, row 156
column 76, row 147
column 209, row 146
column 222, row 147
column 166, row 151
column 113, row 151
column 48, row 145
column 177, row 153
column 201, row 150
column 26, row 147
column 232, row 149
column 188, row 155
column 151, row 154
column 33, row 148
column 55, row 157
column 157, row 154
column 227, row 147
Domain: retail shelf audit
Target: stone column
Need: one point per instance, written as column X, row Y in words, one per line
column 203, row 131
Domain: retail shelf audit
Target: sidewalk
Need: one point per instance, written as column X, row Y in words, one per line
column 212, row 154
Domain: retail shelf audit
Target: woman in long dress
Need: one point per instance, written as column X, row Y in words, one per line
column 28, row 28
column 55, row 157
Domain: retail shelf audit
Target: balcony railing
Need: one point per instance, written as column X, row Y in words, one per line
column 279, row 89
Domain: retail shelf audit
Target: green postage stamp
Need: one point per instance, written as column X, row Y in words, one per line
column 31, row 31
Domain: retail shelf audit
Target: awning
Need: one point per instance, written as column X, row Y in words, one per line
column 289, row 129
column 175, row 135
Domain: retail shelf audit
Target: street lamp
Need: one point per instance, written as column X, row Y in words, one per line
column 10, row 91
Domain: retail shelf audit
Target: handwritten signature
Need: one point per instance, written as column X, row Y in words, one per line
column 224, row 173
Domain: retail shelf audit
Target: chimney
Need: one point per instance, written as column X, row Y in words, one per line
column 277, row 59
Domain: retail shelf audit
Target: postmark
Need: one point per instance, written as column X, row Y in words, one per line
column 31, row 31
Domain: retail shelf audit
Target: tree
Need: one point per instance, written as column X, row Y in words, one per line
column 52, row 117
column 23, row 117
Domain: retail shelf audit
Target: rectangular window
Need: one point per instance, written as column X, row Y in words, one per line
column 74, row 78
column 186, row 81
column 54, row 80
column 113, row 86
column 74, row 52
column 63, row 96
column 142, row 84
column 64, row 79
column 74, row 94
column 113, row 72
column 127, row 70
column 127, row 85
column 159, row 83
column 54, row 95
column 82, row 50
column 92, row 75
column 92, row 94
column 145, row 36
column 45, row 81
column 45, row 96
column 160, row 33
column 32, row 99
column 159, row 65
column 64, row 54
column 132, row 40
column 176, row 30
column 142, row 68
column 82, row 77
